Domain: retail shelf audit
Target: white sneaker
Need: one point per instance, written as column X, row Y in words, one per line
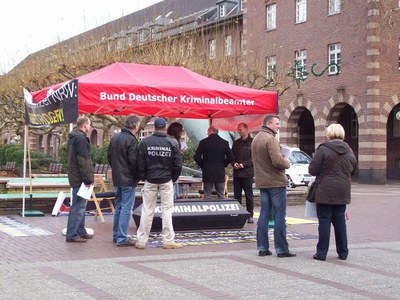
column 172, row 245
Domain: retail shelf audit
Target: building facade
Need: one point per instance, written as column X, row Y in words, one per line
column 345, row 56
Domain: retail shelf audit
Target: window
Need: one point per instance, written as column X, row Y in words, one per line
column 334, row 7
column 228, row 45
column 141, row 36
column 130, row 40
column 190, row 48
column 334, row 57
column 271, row 67
column 301, row 11
column 301, row 63
column 354, row 125
column 212, row 45
column 221, row 10
column 271, row 16
column 241, row 5
column 396, row 122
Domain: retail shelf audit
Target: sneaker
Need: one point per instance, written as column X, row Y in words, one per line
column 250, row 220
column 76, row 240
column 140, row 246
column 127, row 243
column 172, row 245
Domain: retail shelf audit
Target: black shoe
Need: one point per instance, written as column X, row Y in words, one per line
column 341, row 257
column 250, row 220
column 76, row 240
column 286, row 254
column 264, row 253
column 127, row 243
column 319, row 258
column 87, row 236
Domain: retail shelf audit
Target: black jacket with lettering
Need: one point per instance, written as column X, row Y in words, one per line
column 159, row 159
column 122, row 157
column 80, row 164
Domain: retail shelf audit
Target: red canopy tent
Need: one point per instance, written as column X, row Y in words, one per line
column 164, row 91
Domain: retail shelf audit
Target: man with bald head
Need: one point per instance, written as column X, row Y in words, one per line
column 213, row 155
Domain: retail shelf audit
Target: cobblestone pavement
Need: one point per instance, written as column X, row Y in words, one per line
column 43, row 266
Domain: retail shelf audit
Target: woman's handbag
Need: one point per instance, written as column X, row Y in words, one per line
column 311, row 192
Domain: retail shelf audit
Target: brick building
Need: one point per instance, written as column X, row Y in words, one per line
column 360, row 91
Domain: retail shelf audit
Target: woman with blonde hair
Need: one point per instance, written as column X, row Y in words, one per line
column 333, row 164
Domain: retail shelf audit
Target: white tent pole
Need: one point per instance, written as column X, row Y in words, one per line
column 24, row 171
column 71, row 127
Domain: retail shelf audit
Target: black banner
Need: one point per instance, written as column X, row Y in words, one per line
column 59, row 106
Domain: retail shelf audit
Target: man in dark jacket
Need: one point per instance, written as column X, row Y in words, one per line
column 213, row 155
column 80, row 170
column 160, row 164
column 122, row 157
column 243, row 171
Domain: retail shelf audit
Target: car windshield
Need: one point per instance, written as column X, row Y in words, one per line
column 299, row 157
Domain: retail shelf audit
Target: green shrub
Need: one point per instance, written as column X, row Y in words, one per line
column 62, row 154
column 188, row 155
column 14, row 153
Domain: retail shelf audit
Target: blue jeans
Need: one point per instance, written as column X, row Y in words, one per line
column 335, row 215
column 272, row 200
column 76, row 217
column 124, row 199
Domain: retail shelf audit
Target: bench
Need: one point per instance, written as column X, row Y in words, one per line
column 9, row 167
column 55, row 168
column 100, row 169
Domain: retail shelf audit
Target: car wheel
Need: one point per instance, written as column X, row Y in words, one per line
column 290, row 183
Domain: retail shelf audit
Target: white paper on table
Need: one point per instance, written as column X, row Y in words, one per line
column 85, row 192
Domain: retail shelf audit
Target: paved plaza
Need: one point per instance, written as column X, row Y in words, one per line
column 37, row 263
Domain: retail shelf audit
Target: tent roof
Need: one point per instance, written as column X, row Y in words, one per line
column 167, row 91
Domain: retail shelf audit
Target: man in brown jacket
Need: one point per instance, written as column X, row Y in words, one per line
column 270, row 178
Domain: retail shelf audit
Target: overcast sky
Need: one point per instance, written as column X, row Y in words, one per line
column 27, row 26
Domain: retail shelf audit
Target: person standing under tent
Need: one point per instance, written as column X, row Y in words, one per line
column 160, row 164
column 122, row 157
column 80, row 170
column 213, row 155
column 243, row 171
column 175, row 131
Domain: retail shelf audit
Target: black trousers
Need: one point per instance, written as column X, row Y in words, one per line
column 245, row 184
column 335, row 215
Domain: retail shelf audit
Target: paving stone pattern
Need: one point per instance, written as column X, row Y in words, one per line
column 46, row 267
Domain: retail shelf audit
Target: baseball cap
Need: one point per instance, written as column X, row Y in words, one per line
column 160, row 123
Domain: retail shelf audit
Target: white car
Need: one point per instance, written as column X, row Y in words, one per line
column 297, row 174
